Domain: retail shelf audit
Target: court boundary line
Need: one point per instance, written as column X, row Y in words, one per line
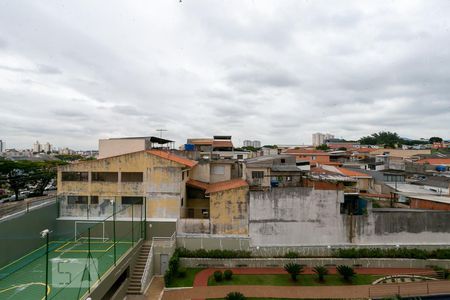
column 49, row 289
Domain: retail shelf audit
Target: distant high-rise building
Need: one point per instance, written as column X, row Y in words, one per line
column 47, row 147
column 255, row 144
column 37, row 147
column 320, row 138
column 2, row 146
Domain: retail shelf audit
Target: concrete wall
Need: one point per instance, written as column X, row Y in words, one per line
column 21, row 235
column 312, row 262
column 201, row 172
column 108, row 148
column 217, row 176
column 402, row 226
column 228, row 211
column 296, row 216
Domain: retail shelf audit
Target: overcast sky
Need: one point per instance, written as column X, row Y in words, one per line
column 72, row 72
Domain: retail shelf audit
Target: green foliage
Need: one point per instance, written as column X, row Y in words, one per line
column 435, row 139
column 227, row 274
column 442, row 271
column 250, row 148
column 322, row 147
column 19, row 174
column 292, row 254
column 382, row 137
column 218, row 276
column 294, row 270
column 235, row 296
column 346, row 272
column 412, row 253
column 321, row 271
column 182, row 272
column 69, row 157
column 214, row 253
column 172, row 271
column 270, row 146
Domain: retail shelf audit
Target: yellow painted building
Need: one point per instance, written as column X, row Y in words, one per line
column 153, row 176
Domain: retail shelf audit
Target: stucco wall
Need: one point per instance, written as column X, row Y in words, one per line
column 296, row 216
column 228, row 211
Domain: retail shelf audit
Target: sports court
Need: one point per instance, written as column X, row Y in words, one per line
column 74, row 264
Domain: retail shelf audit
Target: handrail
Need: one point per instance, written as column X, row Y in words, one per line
column 148, row 265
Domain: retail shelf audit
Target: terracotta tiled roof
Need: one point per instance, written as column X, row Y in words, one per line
column 302, row 150
column 434, row 161
column 170, row 156
column 224, row 143
column 226, row 185
column 351, row 173
column 198, row 184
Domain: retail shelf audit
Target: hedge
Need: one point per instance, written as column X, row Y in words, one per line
column 413, row 253
column 215, row 253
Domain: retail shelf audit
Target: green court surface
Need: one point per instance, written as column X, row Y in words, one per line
column 70, row 269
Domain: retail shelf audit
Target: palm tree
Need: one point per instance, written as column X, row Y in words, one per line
column 321, row 271
column 235, row 296
column 293, row 269
column 346, row 272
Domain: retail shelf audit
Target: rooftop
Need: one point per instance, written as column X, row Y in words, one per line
column 173, row 157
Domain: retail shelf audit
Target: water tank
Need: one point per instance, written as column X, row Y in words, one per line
column 441, row 168
column 189, row 147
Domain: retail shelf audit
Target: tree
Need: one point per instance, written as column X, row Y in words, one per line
column 294, row 270
column 346, row 272
column 321, row 271
column 235, row 296
column 323, row 147
column 382, row 137
column 435, row 139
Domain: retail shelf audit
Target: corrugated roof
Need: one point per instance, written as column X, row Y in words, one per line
column 200, row 141
column 172, row 157
column 226, row 185
column 198, row 184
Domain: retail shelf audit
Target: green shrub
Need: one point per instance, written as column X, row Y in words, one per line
column 293, row 269
column 182, row 272
column 292, row 254
column 346, row 272
column 441, row 271
column 235, row 296
column 218, row 276
column 412, row 253
column 168, row 276
column 321, row 271
column 227, row 274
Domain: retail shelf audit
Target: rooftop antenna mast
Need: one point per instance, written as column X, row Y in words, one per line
column 161, row 131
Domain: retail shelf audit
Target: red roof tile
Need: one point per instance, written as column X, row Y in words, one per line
column 198, row 184
column 434, row 161
column 226, row 185
column 172, row 157
column 352, row 173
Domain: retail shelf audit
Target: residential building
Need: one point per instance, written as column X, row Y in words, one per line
column 2, row 146
column 47, row 147
column 272, row 171
column 254, row 144
column 118, row 146
column 37, row 147
column 320, row 138
column 219, row 147
column 154, row 177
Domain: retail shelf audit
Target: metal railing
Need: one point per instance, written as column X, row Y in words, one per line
column 164, row 242
column 410, row 289
column 148, row 271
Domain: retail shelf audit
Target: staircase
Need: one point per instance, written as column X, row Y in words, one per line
column 134, row 288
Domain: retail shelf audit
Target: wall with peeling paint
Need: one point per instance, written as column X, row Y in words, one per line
column 228, row 211
column 163, row 183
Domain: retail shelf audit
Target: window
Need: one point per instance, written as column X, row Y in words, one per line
column 182, row 176
column 182, row 201
column 187, row 174
column 75, row 176
column 313, row 157
column 283, row 160
column 105, row 176
column 77, row 199
column 132, row 200
column 257, row 174
column 240, row 156
column 94, row 200
column 218, row 170
column 132, row 177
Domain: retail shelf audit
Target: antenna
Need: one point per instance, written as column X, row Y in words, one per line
column 161, row 131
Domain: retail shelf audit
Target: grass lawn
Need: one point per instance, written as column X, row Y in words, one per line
column 186, row 281
column 285, row 280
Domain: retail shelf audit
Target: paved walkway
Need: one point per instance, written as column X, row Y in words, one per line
column 201, row 279
column 200, row 289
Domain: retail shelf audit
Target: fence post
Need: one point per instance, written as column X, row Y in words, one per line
column 132, row 225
